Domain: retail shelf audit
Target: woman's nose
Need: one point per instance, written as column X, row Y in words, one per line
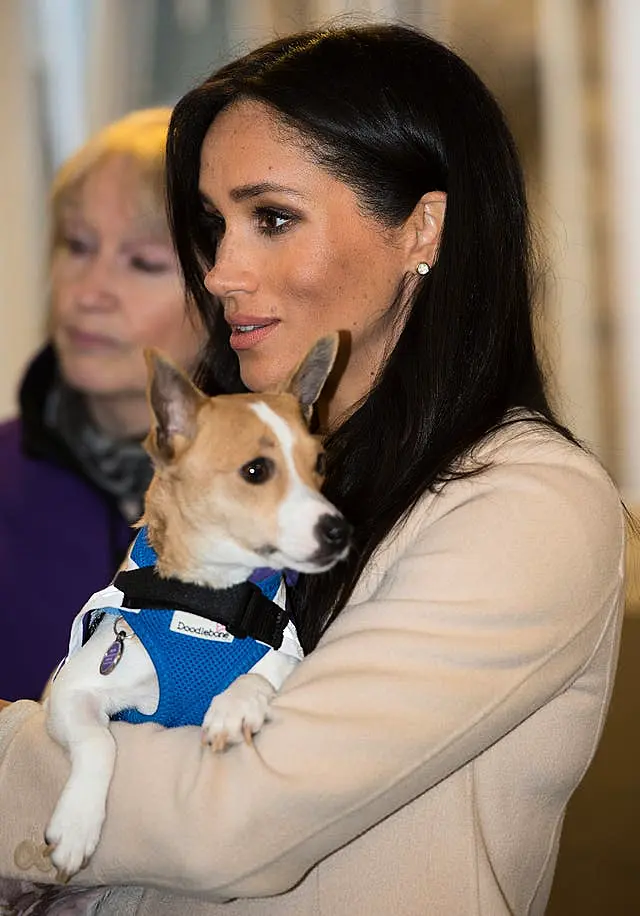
column 96, row 287
column 232, row 271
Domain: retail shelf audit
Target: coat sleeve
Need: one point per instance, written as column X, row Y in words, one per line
column 485, row 606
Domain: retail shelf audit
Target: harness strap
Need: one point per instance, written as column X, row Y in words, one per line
column 243, row 609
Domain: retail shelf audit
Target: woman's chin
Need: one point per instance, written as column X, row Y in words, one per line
column 262, row 374
column 97, row 375
column 102, row 385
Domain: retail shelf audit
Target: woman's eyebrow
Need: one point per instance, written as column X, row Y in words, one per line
column 149, row 228
column 249, row 191
column 70, row 208
column 244, row 192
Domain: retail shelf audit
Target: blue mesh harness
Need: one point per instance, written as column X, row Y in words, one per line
column 195, row 658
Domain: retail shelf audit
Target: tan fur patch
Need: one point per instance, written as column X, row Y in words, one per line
column 201, row 492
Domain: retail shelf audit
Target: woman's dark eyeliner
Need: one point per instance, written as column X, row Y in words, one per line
column 265, row 215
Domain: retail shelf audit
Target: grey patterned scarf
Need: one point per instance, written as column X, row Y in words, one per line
column 119, row 467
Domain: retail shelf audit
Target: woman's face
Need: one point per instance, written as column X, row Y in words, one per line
column 296, row 258
column 115, row 287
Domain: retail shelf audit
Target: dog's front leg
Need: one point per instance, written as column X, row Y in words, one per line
column 79, row 706
column 81, row 724
column 242, row 709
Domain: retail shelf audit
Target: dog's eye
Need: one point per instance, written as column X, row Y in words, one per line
column 257, row 471
column 321, row 464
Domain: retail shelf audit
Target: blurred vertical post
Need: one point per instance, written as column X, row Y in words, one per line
column 621, row 37
column 121, row 35
column 61, row 38
column 22, row 231
column 572, row 308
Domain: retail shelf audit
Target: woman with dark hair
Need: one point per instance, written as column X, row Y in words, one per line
column 460, row 661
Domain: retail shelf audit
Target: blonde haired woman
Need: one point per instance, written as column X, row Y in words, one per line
column 72, row 468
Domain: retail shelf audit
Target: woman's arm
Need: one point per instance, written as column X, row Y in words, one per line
column 491, row 600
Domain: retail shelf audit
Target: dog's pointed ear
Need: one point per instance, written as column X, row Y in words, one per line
column 309, row 378
column 174, row 401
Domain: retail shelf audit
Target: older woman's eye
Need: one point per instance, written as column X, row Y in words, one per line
column 150, row 265
column 75, row 245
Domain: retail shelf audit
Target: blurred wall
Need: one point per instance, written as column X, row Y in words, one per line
column 22, row 191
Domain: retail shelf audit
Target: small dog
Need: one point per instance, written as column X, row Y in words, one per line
column 236, row 487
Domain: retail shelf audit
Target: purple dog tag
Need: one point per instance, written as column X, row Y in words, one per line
column 112, row 656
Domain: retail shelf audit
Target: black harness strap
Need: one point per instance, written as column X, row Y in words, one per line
column 243, row 609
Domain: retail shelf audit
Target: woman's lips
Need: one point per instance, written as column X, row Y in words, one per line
column 83, row 340
column 246, row 333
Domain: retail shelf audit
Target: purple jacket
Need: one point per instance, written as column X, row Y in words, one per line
column 61, row 539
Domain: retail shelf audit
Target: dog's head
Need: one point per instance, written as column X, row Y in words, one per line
column 237, row 477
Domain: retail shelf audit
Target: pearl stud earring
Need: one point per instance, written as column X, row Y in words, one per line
column 423, row 268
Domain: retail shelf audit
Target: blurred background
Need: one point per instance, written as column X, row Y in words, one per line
column 567, row 73
column 564, row 70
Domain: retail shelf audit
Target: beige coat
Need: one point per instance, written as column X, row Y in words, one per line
column 420, row 759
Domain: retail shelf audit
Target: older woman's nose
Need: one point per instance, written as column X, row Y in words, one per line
column 96, row 286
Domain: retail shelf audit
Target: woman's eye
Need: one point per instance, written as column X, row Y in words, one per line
column 213, row 224
column 271, row 221
column 149, row 266
column 75, row 245
column 257, row 471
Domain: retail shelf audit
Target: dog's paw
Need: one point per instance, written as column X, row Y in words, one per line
column 237, row 713
column 72, row 835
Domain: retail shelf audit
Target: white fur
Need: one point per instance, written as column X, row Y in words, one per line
column 302, row 506
column 80, row 702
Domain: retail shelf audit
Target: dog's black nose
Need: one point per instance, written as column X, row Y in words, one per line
column 333, row 533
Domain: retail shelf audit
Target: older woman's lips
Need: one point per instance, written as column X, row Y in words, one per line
column 82, row 340
column 248, row 332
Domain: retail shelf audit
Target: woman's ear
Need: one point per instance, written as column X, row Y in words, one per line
column 425, row 229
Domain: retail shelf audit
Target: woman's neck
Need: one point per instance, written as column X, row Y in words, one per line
column 338, row 402
column 119, row 416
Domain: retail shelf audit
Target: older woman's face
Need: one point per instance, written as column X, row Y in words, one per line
column 115, row 287
column 296, row 257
